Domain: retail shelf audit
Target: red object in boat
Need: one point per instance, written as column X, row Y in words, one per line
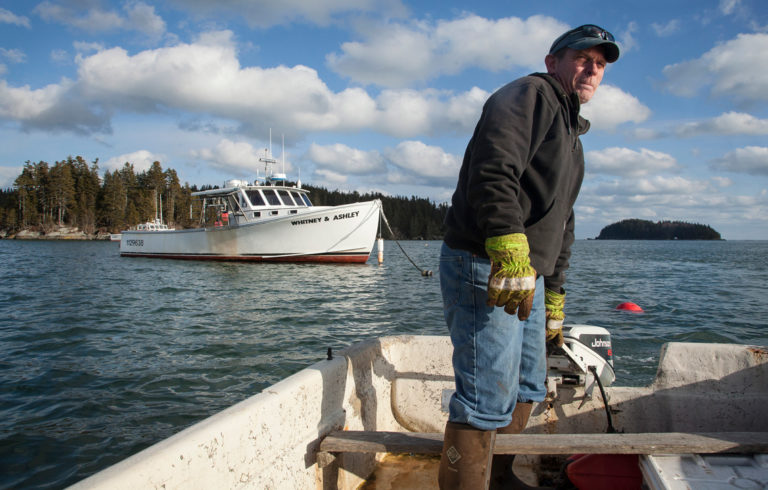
column 629, row 307
column 605, row 471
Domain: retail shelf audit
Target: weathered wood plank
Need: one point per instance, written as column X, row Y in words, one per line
column 645, row 443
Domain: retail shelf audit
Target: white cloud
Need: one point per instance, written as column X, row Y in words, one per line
column 722, row 181
column 628, row 163
column 727, row 7
column 343, row 160
column 728, row 123
column 142, row 17
column 8, row 176
column 430, row 162
column 611, row 107
column 141, row 160
column 734, row 69
column 266, row 13
column 53, row 107
column 397, row 54
column 8, row 17
column 205, row 77
column 326, row 175
column 237, row 158
column 628, row 42
column 407, row 113
column 87, row 48
column 138, row 16
column 13, row 55
column 645, row 133
column 410, row 162
column 752, row 160
column 667, row 29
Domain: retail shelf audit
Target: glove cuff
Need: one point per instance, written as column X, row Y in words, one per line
column 514, row 243
column 554, row 303
column 511, row 253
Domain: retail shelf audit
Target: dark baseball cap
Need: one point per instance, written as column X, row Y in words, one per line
column 587, row 36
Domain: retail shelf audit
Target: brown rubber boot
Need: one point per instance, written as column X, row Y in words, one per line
column 502, row 476
column 465, row 463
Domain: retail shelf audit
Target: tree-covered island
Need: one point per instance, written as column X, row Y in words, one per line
column 70, row 199
column 638, row 229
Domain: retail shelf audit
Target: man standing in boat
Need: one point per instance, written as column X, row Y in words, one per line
column 503, row 261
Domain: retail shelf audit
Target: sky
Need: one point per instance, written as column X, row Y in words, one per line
column 383, row 95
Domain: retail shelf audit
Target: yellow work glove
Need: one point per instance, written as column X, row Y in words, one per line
column 512, row 281
column 554, row 303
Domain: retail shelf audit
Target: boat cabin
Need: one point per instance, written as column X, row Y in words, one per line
column 239, row 202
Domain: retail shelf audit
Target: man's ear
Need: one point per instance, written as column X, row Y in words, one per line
column 551, row 63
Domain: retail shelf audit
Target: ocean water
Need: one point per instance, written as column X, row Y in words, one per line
column 102, row 356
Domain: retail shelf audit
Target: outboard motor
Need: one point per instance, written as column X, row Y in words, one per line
column 586, row 353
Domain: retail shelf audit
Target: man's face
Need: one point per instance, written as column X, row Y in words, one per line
column 578, row 72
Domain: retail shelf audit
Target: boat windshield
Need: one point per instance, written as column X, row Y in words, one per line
column 297, row 198
column 286, row 197
column 255, row 198
column 306, row 199
column 272, row 198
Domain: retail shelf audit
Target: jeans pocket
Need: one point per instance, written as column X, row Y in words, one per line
column 450, row 279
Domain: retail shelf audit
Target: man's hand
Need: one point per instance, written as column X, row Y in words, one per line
column 554, row 303
column 512, row 281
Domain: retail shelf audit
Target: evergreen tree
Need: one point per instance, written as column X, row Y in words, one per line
column 27, row 197
column 112, row 203
column 63, row 190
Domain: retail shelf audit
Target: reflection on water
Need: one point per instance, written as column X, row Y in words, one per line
column 101, row 356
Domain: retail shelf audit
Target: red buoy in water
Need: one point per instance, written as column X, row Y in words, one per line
column 627, row 306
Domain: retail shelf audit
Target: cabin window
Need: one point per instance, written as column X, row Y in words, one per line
column 286, row 197
column 255, row 198
column 257, row 214
column 297, row 198
column 306, row 199
column 272, row 198
column 294, row 211
column 274, row 213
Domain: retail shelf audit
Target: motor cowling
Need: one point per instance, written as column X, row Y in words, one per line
column 585, row 348
column 596, row 338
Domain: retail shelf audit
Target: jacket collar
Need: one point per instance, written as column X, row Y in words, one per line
column 569, row 102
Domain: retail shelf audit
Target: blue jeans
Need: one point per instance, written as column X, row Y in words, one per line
column 498, row 360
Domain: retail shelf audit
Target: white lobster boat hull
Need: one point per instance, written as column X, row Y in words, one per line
column 344, row 233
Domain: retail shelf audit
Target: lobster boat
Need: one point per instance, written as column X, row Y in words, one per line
column 266, row 220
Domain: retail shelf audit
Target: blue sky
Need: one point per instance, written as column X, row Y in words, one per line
column 383, row 95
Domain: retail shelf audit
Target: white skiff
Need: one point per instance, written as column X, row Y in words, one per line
column 328, row 425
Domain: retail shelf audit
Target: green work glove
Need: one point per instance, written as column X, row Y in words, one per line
column 512, row 280
column 554, row 303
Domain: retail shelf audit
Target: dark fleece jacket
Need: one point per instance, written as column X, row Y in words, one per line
column 521, row 173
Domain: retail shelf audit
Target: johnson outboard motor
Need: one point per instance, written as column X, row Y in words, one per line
column 586, row 354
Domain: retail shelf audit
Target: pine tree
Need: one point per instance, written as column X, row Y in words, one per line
column 63, row 190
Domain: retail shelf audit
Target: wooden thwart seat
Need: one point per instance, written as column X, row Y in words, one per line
column 642, row 443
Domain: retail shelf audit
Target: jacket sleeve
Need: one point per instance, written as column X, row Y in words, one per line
column 515, row 121
column 557, row 279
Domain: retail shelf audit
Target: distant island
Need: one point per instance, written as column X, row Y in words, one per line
column 638, row 229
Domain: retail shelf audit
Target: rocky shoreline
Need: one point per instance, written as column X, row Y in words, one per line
column 62, row 233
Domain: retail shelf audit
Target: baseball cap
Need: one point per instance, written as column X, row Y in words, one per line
column 587, row 36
